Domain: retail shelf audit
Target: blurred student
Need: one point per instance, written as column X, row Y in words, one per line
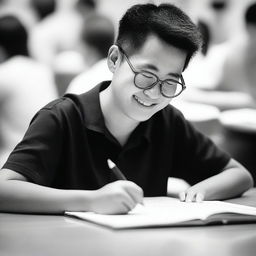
column 59, row 31
column 206, row 69
column 43, row 8
column 61, row 164
column 225, row 76
column 97, row 35
column 240, row 66
column 96, row 38
column 25, row 85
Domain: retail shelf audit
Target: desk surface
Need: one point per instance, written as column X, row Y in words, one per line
column 51, row 235
column 241, row 120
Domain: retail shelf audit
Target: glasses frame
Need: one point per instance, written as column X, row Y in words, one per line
column 158, row 80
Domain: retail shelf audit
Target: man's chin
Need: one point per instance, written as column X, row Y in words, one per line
column 141, row 118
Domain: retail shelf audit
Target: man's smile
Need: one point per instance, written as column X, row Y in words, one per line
column 144, row 103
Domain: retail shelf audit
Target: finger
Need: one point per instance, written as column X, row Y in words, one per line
column 125, row 208
column 122, row 208
column 128, row 201
column 199, row 197
column 182, row 196
column 190, row 196
column 135, row 192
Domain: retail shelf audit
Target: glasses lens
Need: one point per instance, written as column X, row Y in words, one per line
column 144, row 80
column 171, row 88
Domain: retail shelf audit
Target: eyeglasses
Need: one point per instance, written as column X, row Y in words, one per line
column 146, row 80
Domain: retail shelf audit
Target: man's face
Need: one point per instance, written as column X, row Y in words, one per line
column 157, row 57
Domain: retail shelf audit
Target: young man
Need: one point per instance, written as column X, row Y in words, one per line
column 61, row 164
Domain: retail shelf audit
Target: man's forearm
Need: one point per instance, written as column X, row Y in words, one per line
column 22, row 196
column 231, row 182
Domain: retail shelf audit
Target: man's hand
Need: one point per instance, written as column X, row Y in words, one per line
column 117, row 198
column 192, row 194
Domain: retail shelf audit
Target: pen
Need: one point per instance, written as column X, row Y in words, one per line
column 117, row 172
column 119, row 175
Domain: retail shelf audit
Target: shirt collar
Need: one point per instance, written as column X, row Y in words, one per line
column 91, row 109
column 93, row 116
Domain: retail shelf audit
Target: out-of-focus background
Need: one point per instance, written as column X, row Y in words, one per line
column 52, row 47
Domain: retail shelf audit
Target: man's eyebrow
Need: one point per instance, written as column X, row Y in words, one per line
column 152, row 67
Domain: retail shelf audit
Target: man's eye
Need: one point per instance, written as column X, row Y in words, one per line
column 147, row 75
column 171, row 82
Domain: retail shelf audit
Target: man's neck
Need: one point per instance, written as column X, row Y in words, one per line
column 118, row 124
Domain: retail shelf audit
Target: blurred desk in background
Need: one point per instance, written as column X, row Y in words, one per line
column 239, row 136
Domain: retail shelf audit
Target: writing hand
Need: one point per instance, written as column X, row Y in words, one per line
column 118, row 197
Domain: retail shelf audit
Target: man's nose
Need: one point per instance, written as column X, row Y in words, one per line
column 154, row 92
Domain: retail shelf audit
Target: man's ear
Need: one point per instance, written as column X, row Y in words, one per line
column 114, row 58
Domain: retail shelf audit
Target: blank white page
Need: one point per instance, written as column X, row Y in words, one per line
column 163, row 211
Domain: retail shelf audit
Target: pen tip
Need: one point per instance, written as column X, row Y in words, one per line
column 110, row 164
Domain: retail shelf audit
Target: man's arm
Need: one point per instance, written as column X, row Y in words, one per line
column 231, row 182
column 17, row 194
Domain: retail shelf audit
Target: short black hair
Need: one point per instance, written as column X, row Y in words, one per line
column 167, row 21
column 43, row 7
column 86, row 3
column 13, row 36
column 98, row 32
column 250, row 14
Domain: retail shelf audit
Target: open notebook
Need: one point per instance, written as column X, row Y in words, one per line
column 166, row 211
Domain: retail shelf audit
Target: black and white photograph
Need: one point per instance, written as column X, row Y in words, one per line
column 127, row 127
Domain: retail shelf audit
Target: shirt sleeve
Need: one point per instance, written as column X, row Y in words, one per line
column 37, row 155
column 196, row 157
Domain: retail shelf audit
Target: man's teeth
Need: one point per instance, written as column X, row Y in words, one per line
column 142, row 102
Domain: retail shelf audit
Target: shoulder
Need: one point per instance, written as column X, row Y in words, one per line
column 65, row 102
column 62, row 108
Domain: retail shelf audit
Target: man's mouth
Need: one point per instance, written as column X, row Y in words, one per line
column 143, row 103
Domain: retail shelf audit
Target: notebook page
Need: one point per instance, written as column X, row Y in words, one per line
column 163, row 211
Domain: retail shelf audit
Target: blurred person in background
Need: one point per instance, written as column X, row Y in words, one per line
column 43, row 7
column 59, row 31
column 209, row 72
column 25, row 85
column 21, row 9
column 207, row 66
column 240, row 66
column 96, row 38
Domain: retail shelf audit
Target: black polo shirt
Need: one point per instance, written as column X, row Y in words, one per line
column 67, row 146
